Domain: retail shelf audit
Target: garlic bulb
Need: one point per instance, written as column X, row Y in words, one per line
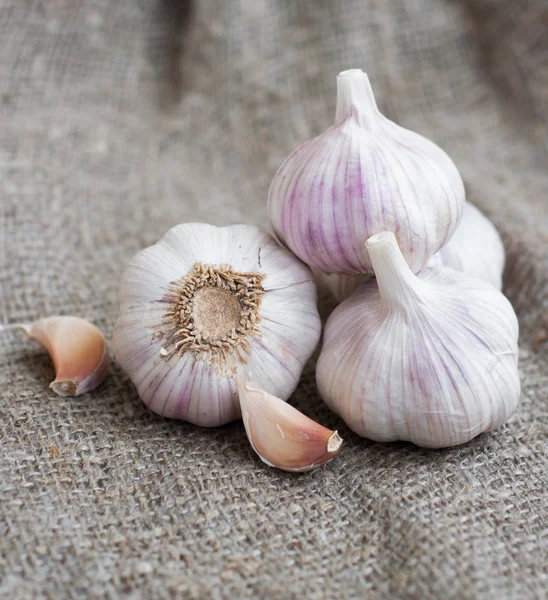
column 281, row 435
column 431, row 359
column 78, row 351
column 205, row 300
column 364, row 175
column 475, row 249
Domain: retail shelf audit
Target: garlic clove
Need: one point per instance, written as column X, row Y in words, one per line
column 78, row 350
column 363, row 175
column 281, row 435
column 428, row 358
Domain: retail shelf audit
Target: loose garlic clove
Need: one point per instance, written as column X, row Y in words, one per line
column 475, row 249
column 430, row 359
column 204, row 301
column 281, row 435
column 78, row 351
column 364, row 175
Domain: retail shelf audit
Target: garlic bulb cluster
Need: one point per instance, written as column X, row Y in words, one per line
column 430, row 359
column 205, row 301
column 417, row 352
column 475, row 249
column 364, row 175
column 77, row 348
column 281, row 435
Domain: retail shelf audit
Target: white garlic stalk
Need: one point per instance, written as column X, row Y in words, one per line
column 475, row 249
column 202, row 302
column 77, row 348
column 431, row 359
column 281, row 435
column 364, row 175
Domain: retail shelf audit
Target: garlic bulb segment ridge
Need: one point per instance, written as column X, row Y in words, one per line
column 475, row 249
column 364, row 175
column 204, row 301
column 78, row 350
column 430, row 359
column 281, row 435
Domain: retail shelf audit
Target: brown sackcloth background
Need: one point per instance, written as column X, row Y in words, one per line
column 120, row 119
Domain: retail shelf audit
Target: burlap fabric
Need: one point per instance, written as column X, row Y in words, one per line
column 121, row 119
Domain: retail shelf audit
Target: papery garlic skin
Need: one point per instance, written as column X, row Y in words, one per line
column 281, row 435
column 339, row 287
column 202, row 302
column 430, row 359
column 475, row 249
column 78, row 350
column 364, row 175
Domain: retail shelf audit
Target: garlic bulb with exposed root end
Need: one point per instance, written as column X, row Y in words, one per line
column 431, row 359
column 281, row 435
column 205, row 300
column 78, row 351
column 364, row 175
column 475, row 249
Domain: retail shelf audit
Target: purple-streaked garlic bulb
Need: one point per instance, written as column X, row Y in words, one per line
column 203, row 302
column 364, row 175
column 475, row 249
column 430, row 359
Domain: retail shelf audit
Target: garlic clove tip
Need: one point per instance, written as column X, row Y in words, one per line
column 334, row 442
column 64, row 387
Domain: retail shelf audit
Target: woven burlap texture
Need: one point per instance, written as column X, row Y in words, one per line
column 122, row 119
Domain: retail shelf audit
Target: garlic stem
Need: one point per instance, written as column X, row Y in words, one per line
column 395, row 279
column 355, row 99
